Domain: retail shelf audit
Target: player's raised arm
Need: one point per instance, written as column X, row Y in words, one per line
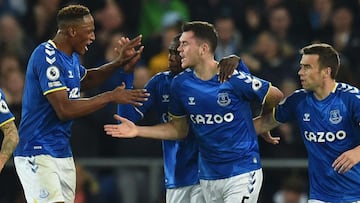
column 177, row 128
column 127, row 57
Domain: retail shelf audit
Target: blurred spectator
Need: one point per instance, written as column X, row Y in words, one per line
column 9, row 62
column 280, row 24
column 12, row 82
column 269, row 58
column 39, row 19
column 13, row 39
column 250, row 24
column 109, row 20
column 87, row 187
column 207, row 10
column 170, row 23
column 153, row 13
column 291, row 191
column 16, row 7
column 141, row 76
column 229, row 38
column 320, row 14
column 159, row 61
column 346, row 39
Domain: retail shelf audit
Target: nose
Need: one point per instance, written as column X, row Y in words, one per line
column 300, row 72
column 92, row 36
column 179, row 49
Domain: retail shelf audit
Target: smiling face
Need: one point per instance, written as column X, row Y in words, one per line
column 83, row 34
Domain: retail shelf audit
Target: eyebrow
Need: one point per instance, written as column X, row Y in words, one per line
column 305, row 65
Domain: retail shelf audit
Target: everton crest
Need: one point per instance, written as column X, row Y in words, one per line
column 223, row 99
column 335, row 116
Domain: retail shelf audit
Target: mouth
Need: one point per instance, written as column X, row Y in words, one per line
column 87, row 45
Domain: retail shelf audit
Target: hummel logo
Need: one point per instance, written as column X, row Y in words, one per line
column 306, row 117
column 165, row 98
column 191, row 101
column 70, row 74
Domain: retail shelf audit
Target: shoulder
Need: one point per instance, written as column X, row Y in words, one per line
column 296, row 96
column 44, row 52
column 241, row 78
column 347, row 91
column 40, row 49
column 159, row 77
column 183, row 75
column 344, row 88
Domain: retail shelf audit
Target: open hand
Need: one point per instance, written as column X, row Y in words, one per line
column 129, row 96
column 347, row 160
column 126, row 51
column 269, row 138
column 126, row 129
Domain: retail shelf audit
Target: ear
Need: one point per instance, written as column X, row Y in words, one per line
column 204, row 48
column 327, row 72
column 71, row 31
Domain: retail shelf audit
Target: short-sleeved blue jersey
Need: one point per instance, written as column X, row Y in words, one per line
column 329, row 127
column 41, row 131
column 180, row 157
column 221, row 119
column 5, row 114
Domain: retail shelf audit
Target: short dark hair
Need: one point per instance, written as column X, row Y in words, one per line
column 71, row 13
column 203, row 31
column 328, row 56
column 176, row 40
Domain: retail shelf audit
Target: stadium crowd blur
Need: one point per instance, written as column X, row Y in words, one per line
column 266, row 34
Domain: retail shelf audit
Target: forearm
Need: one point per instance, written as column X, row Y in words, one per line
column 273, row 98
column 164, row 131
column 74, row 108
column 10, row 141
column 265, row 123
column 95, row 76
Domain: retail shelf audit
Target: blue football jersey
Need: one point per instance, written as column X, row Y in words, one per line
column 242, row 67
column 41, row 131
column 329, row 127
column 221, row 119
column 5, row 114
column 180, row 157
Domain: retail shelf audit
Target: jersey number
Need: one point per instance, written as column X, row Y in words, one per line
column 244, row 198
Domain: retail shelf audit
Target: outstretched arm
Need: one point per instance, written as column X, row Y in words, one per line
column 177, row 128
column 11, row 139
